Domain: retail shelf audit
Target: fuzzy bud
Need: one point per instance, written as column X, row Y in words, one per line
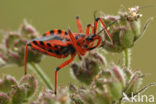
column 88, row 68
column 30, row 84
column 6, row 84
column 86, row 71
column 119, row 74
column 18, row 95
column 4, row 99
column 134, row 83
column 48, row 97
column 115, row 89
column 125, row 31
column 12, row 48
column 102, row 98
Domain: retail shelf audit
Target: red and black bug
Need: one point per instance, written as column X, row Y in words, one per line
column 60, row 44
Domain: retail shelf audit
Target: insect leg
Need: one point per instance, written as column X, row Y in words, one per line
column 37, row 48
column 98, row 43
column 61, row 66
column 26, row 53
column 95, row 27
column 88, row 29
column 79, row 25
column 74, row 42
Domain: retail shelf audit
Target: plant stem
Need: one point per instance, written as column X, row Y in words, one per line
column 41, row 74
column 127, row 57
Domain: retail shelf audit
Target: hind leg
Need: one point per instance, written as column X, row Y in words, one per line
column 79, row 25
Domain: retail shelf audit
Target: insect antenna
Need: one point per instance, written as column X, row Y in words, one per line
column 146, row 6
column 107, row 26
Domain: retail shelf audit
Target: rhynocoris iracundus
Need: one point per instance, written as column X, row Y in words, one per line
column 60, row 44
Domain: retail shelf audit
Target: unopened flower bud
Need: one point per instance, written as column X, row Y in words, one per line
column 48, row 97
column 4, row 99
column 86, row 71
column 18, row 95
column 115, row 89
column 102, row 98
column 27, row 30
column 125, row 31
column 12, row 49
column 128, row 74
column 119, row 74
column 29, row 83
column 134, row 83
column 6, row 84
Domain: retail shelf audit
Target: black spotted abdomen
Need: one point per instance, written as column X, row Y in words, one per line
column 53, row 49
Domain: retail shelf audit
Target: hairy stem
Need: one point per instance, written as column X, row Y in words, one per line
column 41, row 74
column 127, row 57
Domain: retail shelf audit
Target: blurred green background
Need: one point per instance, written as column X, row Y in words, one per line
column 50, row 14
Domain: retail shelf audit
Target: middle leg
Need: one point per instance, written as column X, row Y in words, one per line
column 61, row 66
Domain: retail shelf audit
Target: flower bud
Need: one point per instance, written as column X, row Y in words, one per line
column 125, row 31
column 72, row 88
column 48, row 97
column 127, row 73
column 119, row 74
column 86, row 71
column 4, row 99
column 27, row 30
column 6, row 84
column 115, row 89
column 86, row 96
column 134, row 83
column 102, row 98
column 76, row 99
column 12, row 49
column 88, row 68
column 18, row 95
column 29, row 83
column 97, row 56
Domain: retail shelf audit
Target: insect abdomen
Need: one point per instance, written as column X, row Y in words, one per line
column 59, row 50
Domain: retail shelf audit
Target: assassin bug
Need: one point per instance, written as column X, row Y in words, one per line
column 60, row 44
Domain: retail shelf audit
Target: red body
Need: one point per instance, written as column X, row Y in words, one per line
column 60, row 44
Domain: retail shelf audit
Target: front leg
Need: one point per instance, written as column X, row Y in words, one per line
column 95, row 27
column 74, row 42
column 98, row 43
column 88, row 29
